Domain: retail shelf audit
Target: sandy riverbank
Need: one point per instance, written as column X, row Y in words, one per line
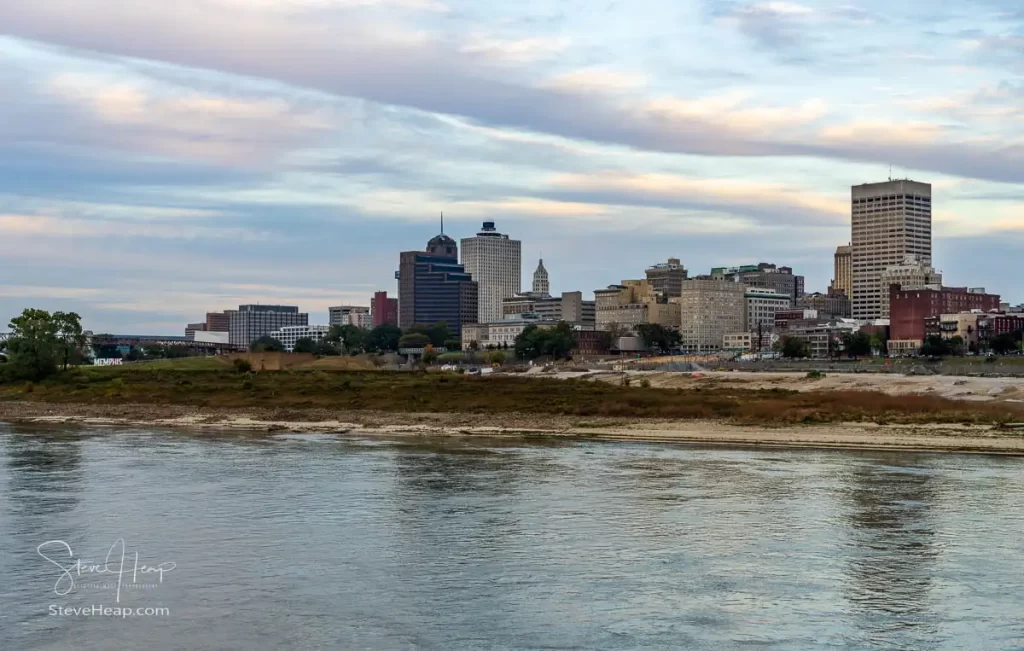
column 940, row 438
column 979, row 389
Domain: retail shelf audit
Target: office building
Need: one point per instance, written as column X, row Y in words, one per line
column 632, row 303
column 433, row 287
column 833, row 305
column 192, row 328
column 909, row 307
column 911, row 273
column 250, row 322
column 541, row 283
column 780, row 280
column 667, row 277
column 842, row 275
column 383, row 310
column 350, row 315
column 288, row 335
column 495, row 263
column 217, row 322
column 890, row 221
column 710, row 309
column 570, row 307
column 762, row 304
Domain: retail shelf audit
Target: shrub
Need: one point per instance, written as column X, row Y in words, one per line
column 242, row 366
column 814, row 375
column 645, row 383
column 625, row 381
column 247, row 384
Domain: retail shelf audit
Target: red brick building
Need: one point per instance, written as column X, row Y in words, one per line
column 384, row 309
column 908, row 308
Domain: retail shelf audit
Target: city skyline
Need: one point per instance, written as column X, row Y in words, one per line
column 144, row 182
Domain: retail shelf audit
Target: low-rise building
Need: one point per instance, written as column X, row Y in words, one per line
column 910, row 306
column 914, row 272
column 738, row 342
column 822, row 336
column 503, row 334
column 288, row 335
column 570, row 307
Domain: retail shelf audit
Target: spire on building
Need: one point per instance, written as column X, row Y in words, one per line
column 541, row 284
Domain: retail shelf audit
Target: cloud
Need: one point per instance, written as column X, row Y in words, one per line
column 522, row 50
column 43, row 227
column 770, row 24
column 432, row 75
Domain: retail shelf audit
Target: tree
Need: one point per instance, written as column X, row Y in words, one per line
column 534, row 342
column 856, row 344
column 429, row 354
column 414, row 340
column 657, row 337
column 935, row 346
column 956, row 345
column 69, row 333
column 496, row 357
column 384, row 338
column 474, row 345
column 304, row 345
column 438, row 333
column 880, row 343
column 349, row 337
column 34, row 346
column 1004, row 343
column 266, row 344
column 793, row 348
column 453, row 344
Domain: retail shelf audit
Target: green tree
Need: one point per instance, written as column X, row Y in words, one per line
column 474, row 345
column 935, row 346
column 438, row 333
column 657, row 337
column 414, row 340
column 856, row 344
column 496, row 357
column 70, row 335
column 350, row 338
column 794, row 348
column 266, row 344
column 534, row 342
column 453, row 344
column 1004, row 343
column 384, row 338
column 304, row 345
column 34, row 346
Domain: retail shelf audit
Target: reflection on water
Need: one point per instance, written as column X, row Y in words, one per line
column 310, row 541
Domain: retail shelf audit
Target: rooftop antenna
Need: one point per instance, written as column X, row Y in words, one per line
column 890, row 171
column 442, row 222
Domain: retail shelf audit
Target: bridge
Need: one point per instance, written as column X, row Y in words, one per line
column 141, row 341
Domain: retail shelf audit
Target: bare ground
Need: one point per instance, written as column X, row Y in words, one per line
column 940, row 438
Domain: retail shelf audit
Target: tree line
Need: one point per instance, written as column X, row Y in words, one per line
column 40, row 344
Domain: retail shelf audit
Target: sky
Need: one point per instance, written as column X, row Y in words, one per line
column 162, row 159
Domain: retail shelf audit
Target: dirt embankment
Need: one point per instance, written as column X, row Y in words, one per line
column 938, row 438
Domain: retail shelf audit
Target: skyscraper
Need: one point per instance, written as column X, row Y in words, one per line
column 842, row 278
column 541, row 285
column 890, row 221
column 495, row 263
column 433, row 287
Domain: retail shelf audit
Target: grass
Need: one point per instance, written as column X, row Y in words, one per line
column 206, row 386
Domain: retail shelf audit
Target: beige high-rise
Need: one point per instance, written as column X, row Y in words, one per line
column 842, row 278
column 710, row 309
column 890, row 221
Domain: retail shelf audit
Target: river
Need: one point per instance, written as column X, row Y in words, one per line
column 259, row 541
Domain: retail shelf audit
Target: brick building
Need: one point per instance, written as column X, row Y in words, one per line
column 383, row 310
column 909, row 307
